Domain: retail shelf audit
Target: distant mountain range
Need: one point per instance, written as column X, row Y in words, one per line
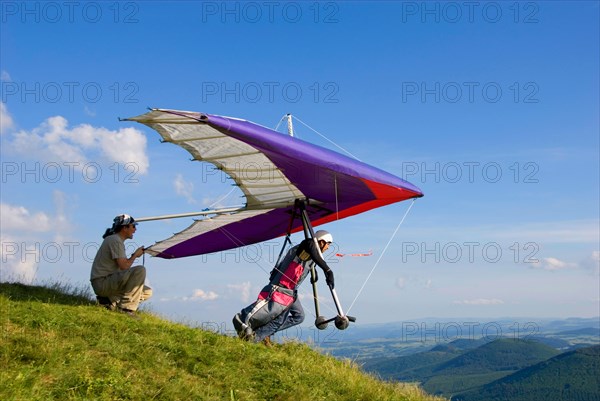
column 480, row 359
column 503, row 369
column 586, row 331
column 573, row 375
column 388, row 340
column 460, row 366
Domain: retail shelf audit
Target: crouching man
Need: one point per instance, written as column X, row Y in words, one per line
column 116, row 283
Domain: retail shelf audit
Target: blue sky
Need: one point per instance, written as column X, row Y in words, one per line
column 491, row 108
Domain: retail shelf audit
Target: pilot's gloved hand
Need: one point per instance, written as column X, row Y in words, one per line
column 329, row 278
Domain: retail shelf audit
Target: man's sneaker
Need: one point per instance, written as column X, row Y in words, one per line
column 248, row 334
column 129, row 313
column 105, row 302
column 243, row 330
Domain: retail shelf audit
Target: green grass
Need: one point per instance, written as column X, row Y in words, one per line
column 56, row 344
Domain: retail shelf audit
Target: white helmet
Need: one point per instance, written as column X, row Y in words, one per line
column 323, row 235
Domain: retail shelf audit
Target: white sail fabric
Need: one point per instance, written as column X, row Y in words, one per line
column 260, row 180
column 204, row 226
column 263, row 184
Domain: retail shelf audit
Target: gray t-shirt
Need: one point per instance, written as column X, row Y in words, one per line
column 105, row 262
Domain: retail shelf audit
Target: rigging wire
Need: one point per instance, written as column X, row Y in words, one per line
column 223, row 197
column 279, row 123
column 381, row 256
column 324, row 137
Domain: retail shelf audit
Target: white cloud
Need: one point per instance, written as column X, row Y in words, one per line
column 89, row 112
column 6, row 121
column 19, row 218
column 242, row 289
column 127, row 145
column 404, row 282
column 53, row 140
column 61, row 224
column 552, row 264
column 592, row 262
column 197, row 295
column 16, row 218
column 323, row 300
column 184, row 188
column 25, row 235
column 17, row 265
column 401, row 283
column 480, row 301
column 201, row 295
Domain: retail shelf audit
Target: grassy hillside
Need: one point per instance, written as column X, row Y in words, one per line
column 570, row 376
column 56, row 346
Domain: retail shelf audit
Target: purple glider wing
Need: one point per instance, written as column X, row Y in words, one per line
column 273, row 170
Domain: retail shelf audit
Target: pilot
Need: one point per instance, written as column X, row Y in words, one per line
column 278, row 306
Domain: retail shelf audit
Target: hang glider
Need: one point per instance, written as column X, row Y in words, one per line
column 274, row 171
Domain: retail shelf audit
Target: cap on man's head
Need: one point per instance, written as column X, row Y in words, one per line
column 323, row 235
column 123, row 220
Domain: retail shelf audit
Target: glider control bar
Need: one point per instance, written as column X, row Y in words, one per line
column 341, row 320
